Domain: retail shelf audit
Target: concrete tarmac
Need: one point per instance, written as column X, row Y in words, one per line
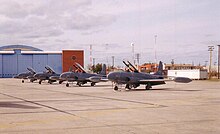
column 173, row 108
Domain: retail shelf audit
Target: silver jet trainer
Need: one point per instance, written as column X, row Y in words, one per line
column 135, row 79
column 83, row 77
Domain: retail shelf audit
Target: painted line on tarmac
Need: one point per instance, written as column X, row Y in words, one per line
column 82, row 117
column 106, row 98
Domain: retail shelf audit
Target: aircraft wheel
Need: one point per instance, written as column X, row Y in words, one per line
column 60, row 82
column 67, row 85
column 22, row 81
column 79, row 84
column 148, row 87
column 128, row 86
column 116, row 88
column 93, row 84
column 40, row 82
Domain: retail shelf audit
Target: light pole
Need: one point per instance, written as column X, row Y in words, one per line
column 210, row 60
column 155, row 52
column 218, row 59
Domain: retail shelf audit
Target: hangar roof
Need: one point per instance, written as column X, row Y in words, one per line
column 21, row 47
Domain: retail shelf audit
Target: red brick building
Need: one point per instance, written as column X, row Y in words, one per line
column 69, row 57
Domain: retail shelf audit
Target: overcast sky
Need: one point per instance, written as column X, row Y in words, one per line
column 184, row 28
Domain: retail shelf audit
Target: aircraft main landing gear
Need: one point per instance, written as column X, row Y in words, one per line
column 60, row 82
column 22, row 81
column 148, row 86
column 40, row 81
column 128, row 86
column 93, row 84
column 116, row 88
column 80, row 83
column 67, row 85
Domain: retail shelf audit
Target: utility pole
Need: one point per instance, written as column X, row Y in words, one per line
column 155, row 52
column 138, row 59
column 106, row 51
column 218, row 59
column 93, row 59
column 210, row 60
column 132, row 45
column 113, row 61
column 90, row 55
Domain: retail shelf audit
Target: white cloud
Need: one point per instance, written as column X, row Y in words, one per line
column 44, row 19
column 181, row 26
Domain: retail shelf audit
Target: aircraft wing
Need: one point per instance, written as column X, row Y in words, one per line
column 175, row 79
column 153, row 80
column 97, row 79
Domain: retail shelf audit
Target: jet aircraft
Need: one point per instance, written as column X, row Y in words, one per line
column 135, row 79
column 46, row 75
column 83, row 77
column 26, row 75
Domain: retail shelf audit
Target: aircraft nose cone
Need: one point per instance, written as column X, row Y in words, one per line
column 64, row 76
column 111, row 76
column 16, row 76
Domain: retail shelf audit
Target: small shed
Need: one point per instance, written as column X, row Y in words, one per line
column 195, row 74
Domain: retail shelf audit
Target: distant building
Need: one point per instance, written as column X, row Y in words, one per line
column 152, row 67
column 16, row 58
column 148, row 67
column 181, row 67
column 69, row 57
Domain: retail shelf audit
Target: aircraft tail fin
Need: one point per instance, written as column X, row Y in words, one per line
column 50, row 69
column 103, row 71
column 80, row 67
column 31, row 70
column 129, row 68
column 160, row 69
column 133, row 67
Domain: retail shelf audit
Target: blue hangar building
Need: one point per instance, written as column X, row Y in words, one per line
column 16, row 58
